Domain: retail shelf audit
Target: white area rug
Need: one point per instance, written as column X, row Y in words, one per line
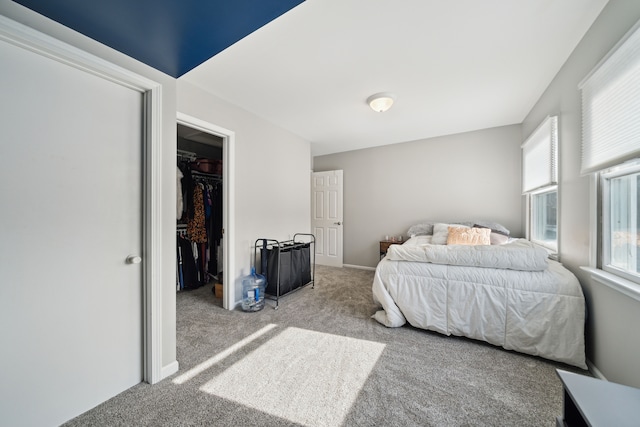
column 310, row 378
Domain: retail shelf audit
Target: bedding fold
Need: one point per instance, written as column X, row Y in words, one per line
column 519, row 254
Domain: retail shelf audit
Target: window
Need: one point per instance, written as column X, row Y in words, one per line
column 611, row 131
column 621, row 221
column 544, row 218
column 539, row 183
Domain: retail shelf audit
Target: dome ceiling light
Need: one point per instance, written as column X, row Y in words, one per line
column 381, row 102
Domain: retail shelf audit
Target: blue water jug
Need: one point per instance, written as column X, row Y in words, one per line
column 253, row 291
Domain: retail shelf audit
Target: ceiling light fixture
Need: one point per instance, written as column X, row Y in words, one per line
column 381, row 102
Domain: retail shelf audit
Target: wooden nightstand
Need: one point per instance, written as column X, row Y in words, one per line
column 384, row 246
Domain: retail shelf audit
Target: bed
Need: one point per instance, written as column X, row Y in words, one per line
column 508, row 294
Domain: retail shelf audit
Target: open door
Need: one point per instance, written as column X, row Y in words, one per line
column 326, row 216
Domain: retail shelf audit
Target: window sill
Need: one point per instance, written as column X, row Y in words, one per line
column 624, row 286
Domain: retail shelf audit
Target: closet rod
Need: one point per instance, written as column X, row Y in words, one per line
column 207, row 176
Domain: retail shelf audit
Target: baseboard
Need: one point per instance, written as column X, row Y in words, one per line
column 170, row 369
column 361, row 267
column 595, row 371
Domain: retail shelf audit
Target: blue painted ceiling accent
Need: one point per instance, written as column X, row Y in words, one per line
column 173, row 36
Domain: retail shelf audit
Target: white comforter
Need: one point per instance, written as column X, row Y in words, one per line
column 519, row 254
column 539, row 312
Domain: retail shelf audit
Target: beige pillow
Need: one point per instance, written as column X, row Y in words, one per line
column 469, row 236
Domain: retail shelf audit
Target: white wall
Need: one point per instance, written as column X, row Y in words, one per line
column 613, row 343
column 168, row 146
column 468, row 176
column 271, row 175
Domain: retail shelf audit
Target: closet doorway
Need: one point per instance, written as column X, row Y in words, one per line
column 205, row 155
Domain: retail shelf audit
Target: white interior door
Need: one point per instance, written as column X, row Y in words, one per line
column 70, row 182
column 326, row 216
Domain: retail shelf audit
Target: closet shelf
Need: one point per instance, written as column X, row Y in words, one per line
column 188, row 156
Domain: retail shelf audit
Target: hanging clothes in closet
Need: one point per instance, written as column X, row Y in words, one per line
column 201, row 223
column 187, row 271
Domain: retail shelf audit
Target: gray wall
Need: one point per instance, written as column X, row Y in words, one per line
column 612, row 338
column 468, row 176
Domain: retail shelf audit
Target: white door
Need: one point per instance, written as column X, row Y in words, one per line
column 71, row 195
column 326, row 216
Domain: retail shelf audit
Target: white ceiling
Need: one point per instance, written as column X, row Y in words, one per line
column 454, row 66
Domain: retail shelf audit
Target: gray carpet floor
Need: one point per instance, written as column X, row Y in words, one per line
column 321, row 360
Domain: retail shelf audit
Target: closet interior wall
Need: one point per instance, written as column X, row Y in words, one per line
column 198, row 209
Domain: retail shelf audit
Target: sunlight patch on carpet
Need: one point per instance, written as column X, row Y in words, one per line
column 221, row 356
column 307, row 377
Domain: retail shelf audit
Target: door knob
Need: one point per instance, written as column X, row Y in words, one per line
column 337, row 223
column 134, row 259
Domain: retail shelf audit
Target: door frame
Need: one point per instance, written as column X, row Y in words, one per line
column 228, row 200
column 28, row 38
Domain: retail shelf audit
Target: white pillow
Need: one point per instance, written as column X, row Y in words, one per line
column 423, row 229
column 441, row 233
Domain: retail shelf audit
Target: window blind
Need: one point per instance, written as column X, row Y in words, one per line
column 539, row 156
column 611, row 107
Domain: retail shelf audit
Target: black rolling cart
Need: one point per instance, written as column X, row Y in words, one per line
column 287, row 265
